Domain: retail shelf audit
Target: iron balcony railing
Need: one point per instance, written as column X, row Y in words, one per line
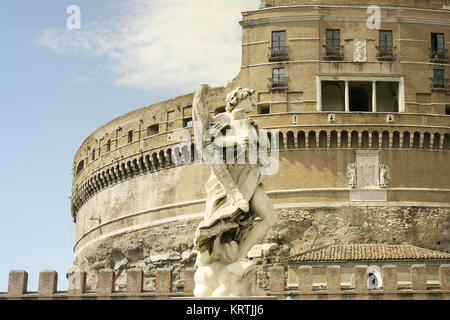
column 278, row 83
column 438, row 55
column 279, row 53
column 386, row 53
column 334, row 53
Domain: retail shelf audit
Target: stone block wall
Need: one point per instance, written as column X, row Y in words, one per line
column 170, row 245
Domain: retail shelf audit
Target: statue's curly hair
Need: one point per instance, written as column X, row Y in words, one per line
column 237, row 95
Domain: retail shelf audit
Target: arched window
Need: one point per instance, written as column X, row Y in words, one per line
column 80, row 167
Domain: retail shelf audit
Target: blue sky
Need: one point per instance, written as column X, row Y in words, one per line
column 58, row 85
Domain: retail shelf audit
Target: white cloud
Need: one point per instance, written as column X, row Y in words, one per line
column 152, row 44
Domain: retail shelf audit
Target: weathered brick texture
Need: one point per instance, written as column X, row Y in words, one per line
column 333, row 279
column 17, row 283
column 418, row 275
column 105, row 283
column 276, row 280
column 361, row 279
column 305, row 279
column 163, row 281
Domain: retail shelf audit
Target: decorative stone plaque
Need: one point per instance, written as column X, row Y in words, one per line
column 367, row 177
column 359, row 50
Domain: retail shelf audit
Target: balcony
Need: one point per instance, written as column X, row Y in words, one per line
column 278, row 53
column 278, row 83
column 439, row 84
column 385, row 53
column 438, row 55
column 334, row 53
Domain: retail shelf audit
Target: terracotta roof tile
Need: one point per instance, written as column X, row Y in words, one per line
column 368, row 252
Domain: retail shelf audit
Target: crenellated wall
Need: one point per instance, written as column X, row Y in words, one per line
column 417, row 288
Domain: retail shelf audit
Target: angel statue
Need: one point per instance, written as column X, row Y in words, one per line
column 385, row 176
column 238, row 212
column 351, row 175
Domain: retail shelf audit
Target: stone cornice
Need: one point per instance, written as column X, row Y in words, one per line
column 302, row 18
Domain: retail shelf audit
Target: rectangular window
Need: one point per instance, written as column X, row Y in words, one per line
column 264, row 110
column 385, row 49
column 333, row 38
column 333, row 48
column 278, row 74
column 130, row 136
column 278, row 40
column 278, row 51
column 187, row 122
column 438, row 78
column 386, row 40
column 152, row 130
column 108, row 146
column 187, row 117
column 118, row 136
column 278, row 78
column 437, row 45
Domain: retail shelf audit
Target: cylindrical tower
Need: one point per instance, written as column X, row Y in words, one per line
column 360, row 98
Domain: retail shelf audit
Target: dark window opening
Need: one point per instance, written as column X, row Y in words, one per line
column 264, row 110
column 333, row 96
column 385, row 39
column 387, row 96
column 437, row 45
column 130, row 136
column 447, row 109
column 93, row 155
column 438, row 52
column 108, row 146
column 385, row 49
column 187, row 122
column 80, row 167
column 360, row 96
column 152, row 130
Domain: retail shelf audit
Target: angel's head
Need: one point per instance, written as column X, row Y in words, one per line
column 241, row 97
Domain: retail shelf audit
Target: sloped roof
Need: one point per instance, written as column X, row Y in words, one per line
column 367, row 252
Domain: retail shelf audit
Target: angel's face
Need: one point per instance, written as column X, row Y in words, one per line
column 246, row 105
